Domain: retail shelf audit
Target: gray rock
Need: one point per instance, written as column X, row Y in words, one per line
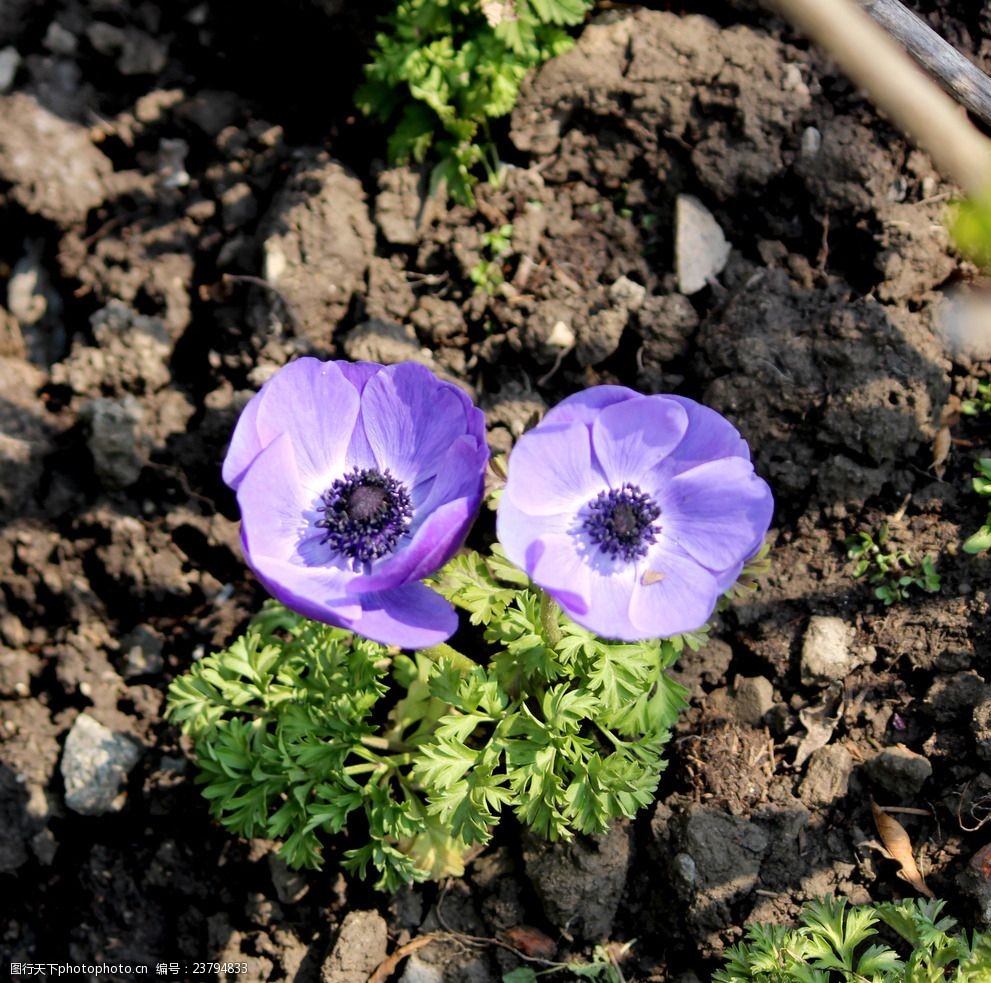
column 95, row 763
column 828, row 653
column 899, row 771
column 752, row 698
column 580, row 883
column 827, row 776
column 360, row 947
column 117, row 439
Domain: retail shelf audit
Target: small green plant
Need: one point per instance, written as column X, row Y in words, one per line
column 442, row 69
column 981, row 540
column 487, row 274
column 893, row 573
column 832, row 945
column 981, row 403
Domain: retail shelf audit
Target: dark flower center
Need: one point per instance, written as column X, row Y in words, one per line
column 621, row 522
column 365, row 513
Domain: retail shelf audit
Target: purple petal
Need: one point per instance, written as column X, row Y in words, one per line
column 314, row 592
column 412, row 617
column 634, row 435
column 273, row 505
column 358, row 373
column 551, row 470
column 709, row 437
column 314, row 404
column 725, row 579
column 410, row 419
column 673, row 594
column 245, row 444
column 608, row 613
column 584, row 407
column 544, row 547
column 716, row 511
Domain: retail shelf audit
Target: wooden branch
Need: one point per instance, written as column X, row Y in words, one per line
column 897, row 86
column 958, row 75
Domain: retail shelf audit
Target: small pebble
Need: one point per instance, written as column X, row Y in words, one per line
column 752, row 698
column 811, row 141
column 10, row 61
column 701, row 249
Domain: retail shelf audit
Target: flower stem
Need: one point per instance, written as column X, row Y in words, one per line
column 444, row 651
column 549, row 613
column 385, row 745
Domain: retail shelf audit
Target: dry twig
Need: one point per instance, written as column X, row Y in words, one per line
column 968, row 84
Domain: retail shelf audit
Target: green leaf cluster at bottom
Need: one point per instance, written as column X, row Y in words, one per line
column 838, row 944
column 302, row 730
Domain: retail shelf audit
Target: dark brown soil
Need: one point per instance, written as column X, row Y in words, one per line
column 187, row 201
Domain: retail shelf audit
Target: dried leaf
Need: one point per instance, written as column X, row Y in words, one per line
column 819, row 722
column 896, row 841
column 941, row 451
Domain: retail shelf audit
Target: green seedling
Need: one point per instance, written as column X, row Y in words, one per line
column 981, row 540
column 893, row 573
column 487, row 273
column 981, row 403
column 837, row 944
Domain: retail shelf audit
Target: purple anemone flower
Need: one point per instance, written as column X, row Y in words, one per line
column 635, row 513
column 356, row 480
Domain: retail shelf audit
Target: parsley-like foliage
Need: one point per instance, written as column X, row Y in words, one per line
column 442, row 69
column 837, row 944
column 297, row 726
